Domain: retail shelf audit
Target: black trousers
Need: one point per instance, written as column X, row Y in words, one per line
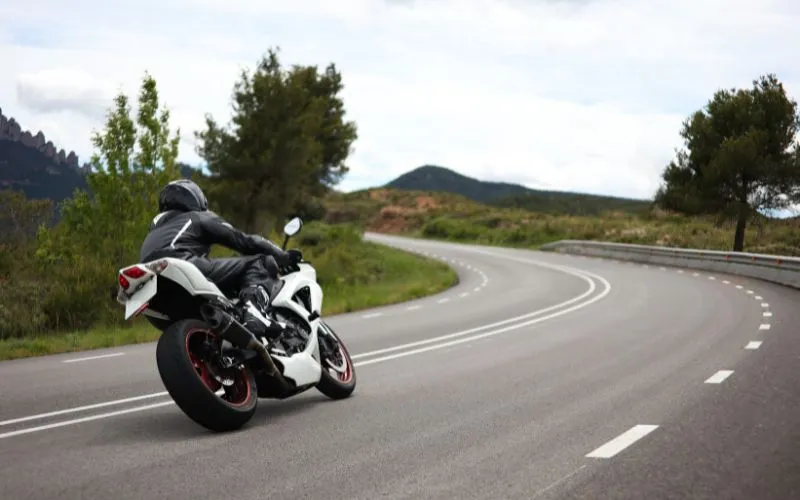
column 233, row 274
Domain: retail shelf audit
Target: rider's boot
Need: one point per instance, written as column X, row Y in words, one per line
column 256, row 302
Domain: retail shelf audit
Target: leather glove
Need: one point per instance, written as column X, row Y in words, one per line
column 294, row 256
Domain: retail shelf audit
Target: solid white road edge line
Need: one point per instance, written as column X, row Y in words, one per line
column 622, row 441
column 84, row 419
column 88, row 358
column 719, row 377
column 490, row 333
column 83, row 408
column 589, row 291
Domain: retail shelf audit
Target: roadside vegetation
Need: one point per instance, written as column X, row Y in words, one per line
column 56, row 276
column 450, row 217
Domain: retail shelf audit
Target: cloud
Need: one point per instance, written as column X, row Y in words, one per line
column 53, row 91
column 572, row 95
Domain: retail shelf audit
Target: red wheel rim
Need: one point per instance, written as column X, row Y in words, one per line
column 345, row 373
column 237, row 394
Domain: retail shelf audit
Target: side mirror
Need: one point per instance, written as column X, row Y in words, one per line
column 293, row 226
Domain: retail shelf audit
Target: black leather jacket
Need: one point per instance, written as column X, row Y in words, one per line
column 183, row 234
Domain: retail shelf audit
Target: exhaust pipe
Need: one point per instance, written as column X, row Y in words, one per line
column 230, row 329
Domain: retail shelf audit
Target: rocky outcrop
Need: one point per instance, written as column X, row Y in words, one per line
column 10, row 130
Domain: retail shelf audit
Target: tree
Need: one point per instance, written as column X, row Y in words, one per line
column 287, row 145
column 101, row 230
column 20, row 218
column 741, row 157
column 112, row 218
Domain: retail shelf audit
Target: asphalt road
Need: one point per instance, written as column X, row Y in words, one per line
column 538, row 376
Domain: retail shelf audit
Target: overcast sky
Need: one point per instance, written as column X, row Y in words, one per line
column 583, row 95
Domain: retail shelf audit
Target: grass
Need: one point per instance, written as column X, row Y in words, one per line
column 448, row 217
column 354, row 275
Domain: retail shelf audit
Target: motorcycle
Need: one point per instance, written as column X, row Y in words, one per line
column 211, row 365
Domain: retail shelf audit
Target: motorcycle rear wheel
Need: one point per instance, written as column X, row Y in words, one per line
column 190, row 382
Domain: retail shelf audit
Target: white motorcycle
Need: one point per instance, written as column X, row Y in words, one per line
column 211, row 365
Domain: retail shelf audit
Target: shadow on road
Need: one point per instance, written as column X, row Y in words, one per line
column 171, row 424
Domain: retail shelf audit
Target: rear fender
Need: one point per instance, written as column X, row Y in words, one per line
column 138, row 284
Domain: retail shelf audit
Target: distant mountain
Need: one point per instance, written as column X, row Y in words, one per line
column 435, row 178
column 34, row 165
column 37, row 175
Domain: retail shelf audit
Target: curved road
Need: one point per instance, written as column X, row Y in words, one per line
column 538, row 376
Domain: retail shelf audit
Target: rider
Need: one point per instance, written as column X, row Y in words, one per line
column 186, row 229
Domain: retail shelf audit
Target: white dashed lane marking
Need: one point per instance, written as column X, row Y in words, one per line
column 719, row 377
column 413, row 308
column 764, row 326
column 764, row 304
column 372, row 315
column 753, row 344
column 622, row 441
column 767, row 314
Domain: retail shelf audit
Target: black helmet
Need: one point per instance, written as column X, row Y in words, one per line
column 183, row 195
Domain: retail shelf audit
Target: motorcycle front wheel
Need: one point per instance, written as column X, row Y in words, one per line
column 338, row 379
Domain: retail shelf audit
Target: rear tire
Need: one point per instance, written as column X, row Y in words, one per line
column 193, row 389
column 341, row 385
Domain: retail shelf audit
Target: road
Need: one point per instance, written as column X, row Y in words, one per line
column 537, row 376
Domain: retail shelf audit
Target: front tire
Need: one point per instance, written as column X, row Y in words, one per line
column 191, row 385
column 338, row 378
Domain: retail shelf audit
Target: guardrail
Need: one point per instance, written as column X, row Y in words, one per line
column 774, row 268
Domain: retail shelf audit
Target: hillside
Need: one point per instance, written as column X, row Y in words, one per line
column 447, row 216
column 39, row 176
column 503, row 194
column 27, row 169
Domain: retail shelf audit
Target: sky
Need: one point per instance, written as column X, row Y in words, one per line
column 573, row 95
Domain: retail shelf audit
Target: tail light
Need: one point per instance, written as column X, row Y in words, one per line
column 138, row 272
column 134, row 272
